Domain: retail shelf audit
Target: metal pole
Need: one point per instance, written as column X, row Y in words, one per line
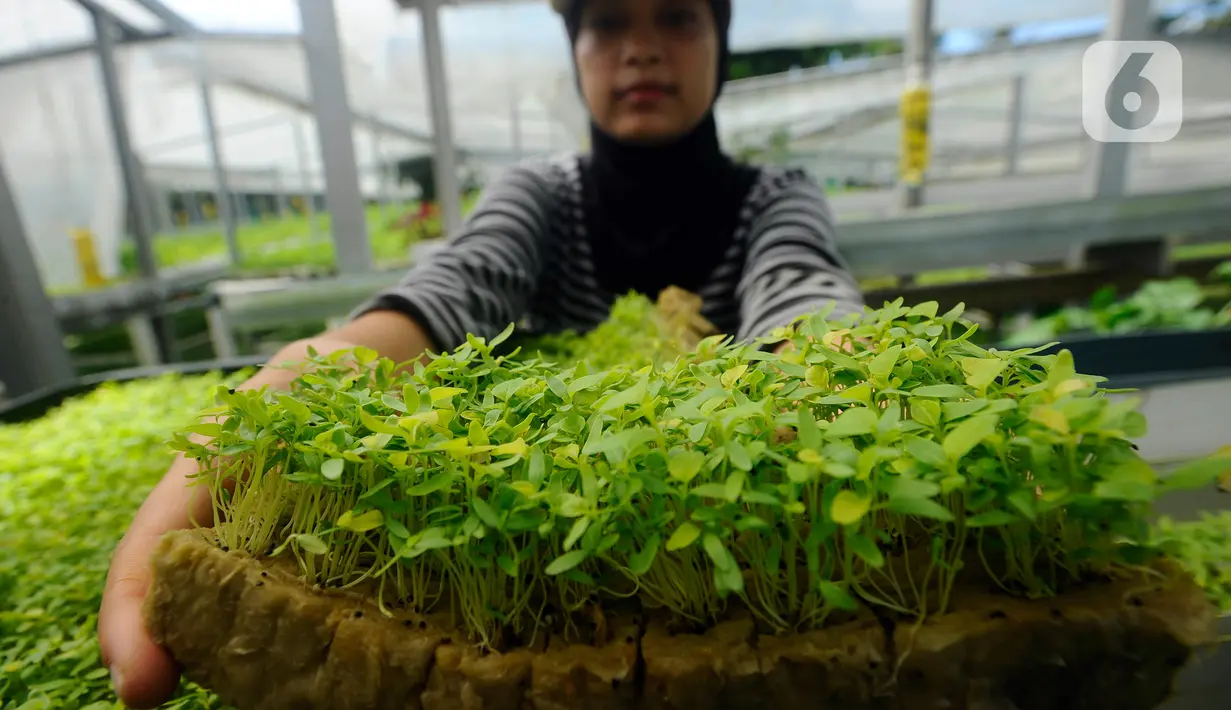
column 1017, row 108
column 222, row 190
column 334, row 123
column 916, row 102
column 382, row 176
column 105, row 33
column 280, row 195
column 516, row 115
column 165, row 219
column 35, row 356
column 105, row 30
column 305, row 177
column 445, row 163
column 1109, row 163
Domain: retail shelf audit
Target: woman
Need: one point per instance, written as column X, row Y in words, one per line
column 655, row 204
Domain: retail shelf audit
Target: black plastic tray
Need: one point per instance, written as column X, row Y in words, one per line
column 1152, row 358
column 36, row 404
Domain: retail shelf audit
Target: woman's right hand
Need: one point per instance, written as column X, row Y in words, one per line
column 143, row 673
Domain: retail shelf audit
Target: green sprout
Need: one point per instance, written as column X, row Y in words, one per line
column 872, row 464
column 1203, row 547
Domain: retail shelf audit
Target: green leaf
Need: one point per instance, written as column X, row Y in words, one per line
column 835, row 595
column 379, row 426
column 394, row 403
column 759, row 498
column 504, row 335
column 1050, row 418
column 565, row 562
column 710, row 490
column 684, row 465
column 411, row 398
column 579, row 528
column 940, row 391
column 958, row 410
column 685, row 535
column 968, row 435
column 1198, row 474
column 883, row 363
column 922, row 508
column 640, row 562
column 991, row 519
column 982, row 372
column 857, row 421
column 866, row 550
column 817, row 376
column 903, row 487
column 538, row 466
column 486, row 513
column 631, row 396
column 396, row 528
column 557, row 387
column 849, row 507
column 1124, row 490
column 735, row 485
column 718, row 552
column 926, row 412
column 927, row 451
column 890, row 420
column 332, row 469
column 738, row 455
column 731, row 376
column 311, row 544
column 809, row 433
column 362, row 523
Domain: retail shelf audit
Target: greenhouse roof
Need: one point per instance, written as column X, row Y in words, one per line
column 51, row 25
column 511, row 85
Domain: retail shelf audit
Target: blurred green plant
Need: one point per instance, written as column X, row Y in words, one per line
column 278, row 244
column 69, row 485
column 1172, row 304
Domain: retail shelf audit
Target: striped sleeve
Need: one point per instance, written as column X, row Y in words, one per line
column 793, row 266
column 484, row 277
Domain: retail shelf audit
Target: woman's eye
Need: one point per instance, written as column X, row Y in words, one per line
column 679, row 18
column 606, row 21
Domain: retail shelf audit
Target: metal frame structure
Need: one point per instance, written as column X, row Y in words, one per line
column 448, row 186
column 35, row 356
column 152, row 329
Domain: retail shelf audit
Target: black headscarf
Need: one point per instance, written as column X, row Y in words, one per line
column 664, row 214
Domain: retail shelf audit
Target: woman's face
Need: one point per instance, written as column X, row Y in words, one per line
column 648, row 68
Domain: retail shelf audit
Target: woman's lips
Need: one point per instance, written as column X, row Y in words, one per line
column 645, row 93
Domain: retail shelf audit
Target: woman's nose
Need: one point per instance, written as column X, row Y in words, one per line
column 643, row 47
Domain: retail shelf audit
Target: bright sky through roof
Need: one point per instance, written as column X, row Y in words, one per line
column 757, row 23
column 529, row 27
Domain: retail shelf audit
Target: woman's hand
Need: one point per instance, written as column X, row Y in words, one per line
column 143, row 673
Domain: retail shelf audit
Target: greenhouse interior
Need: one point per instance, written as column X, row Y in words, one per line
column 993, row 472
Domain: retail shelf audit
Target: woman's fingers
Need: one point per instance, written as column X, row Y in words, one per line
column 143, row 673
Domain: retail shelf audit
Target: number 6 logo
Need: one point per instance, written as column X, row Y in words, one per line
column 1132, row 92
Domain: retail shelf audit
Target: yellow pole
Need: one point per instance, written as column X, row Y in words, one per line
column 87, row 258
column 915, row 110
